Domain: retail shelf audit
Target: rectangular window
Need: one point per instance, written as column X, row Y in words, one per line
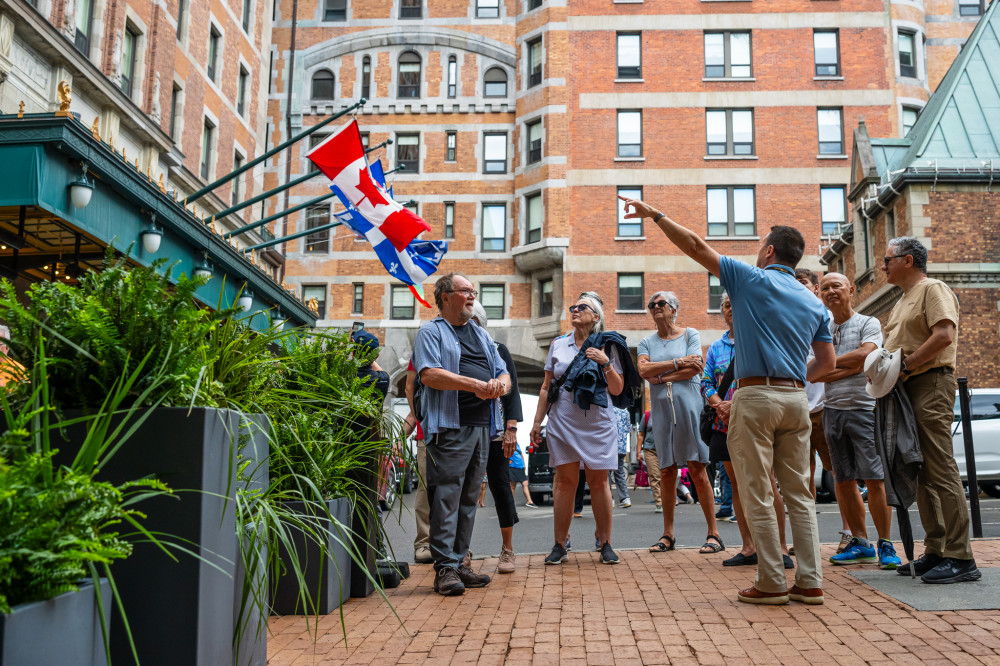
column 731, row 211
column 533, row 208
column 247, row 6
column 729, row 132
column 451, row 139
column 487, row 8
column 494, row 153
column 830, row 128
column 631, row 228
column 630, row 291
column 909, row 117
column 207, row 138
column 213, row 52
column 317, row 138
column 629, row 133
column 907, row 54
column 494, row 228
column 84, row 24
column 181, row 16
column 629, row 55
column 890, row 224
column 535, row 142
column 452, row 77
column 318, row 242
column 241, row 91
column 129, row 44
column 402, row 306
column 358, row 302
column 970, row 7
column 411, row 9
column 727, row 55
column 237, row 163
column 175, row 95
column 534, row 4
column 545, row 297
column 714, row 293
column 833, row 209
column 492, row 298
column 366, row 78
column 318, row 292
column 534, row 62
column 449, row 219
column 364, row 141
column 826, row 52
column 334, row 10
column 408, row 152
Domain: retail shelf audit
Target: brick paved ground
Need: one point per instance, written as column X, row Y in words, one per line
column 677, row 608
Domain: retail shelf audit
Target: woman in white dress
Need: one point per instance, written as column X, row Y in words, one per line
column 577, row 435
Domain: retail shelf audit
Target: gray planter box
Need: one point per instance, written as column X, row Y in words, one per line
column 250, row 636
column 327, row 579
column 180, row 612
column 64, row 630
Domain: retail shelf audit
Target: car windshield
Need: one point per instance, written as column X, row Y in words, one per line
column 982, row 406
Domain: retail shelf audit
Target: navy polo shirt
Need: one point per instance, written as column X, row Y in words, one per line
column 775, row 319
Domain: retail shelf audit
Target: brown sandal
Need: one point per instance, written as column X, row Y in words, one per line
column 712, row 547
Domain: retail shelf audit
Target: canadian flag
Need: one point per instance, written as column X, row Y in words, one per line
column 342, row 158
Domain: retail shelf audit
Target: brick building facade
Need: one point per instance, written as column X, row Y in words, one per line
column 179, row 86
column 730, row 117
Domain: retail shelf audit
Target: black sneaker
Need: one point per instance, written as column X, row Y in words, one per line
column 471, row 579
column 608, row 555
column 557, row 556
column 951, row 570
column 921, row 565
column 447, row 583
column 788, row 562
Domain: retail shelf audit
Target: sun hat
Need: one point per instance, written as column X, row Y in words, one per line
column 882, row 371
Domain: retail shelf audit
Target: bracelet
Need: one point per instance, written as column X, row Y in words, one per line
column 675, row 365
column 514, row 428
column 657, row 217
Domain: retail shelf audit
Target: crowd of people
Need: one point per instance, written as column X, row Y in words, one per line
column 798, row 374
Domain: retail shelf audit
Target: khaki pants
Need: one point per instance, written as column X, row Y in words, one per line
column 653, row 472
column 421, row 507
column 940, row 495
column 769, row 428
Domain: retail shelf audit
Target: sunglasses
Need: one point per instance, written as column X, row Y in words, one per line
column 582, row 307
column 657, row 304
column 886, row 260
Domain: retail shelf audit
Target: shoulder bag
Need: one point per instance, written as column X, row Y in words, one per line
column 707, row 417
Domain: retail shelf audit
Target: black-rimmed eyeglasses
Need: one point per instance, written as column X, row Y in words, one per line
column 657, row 304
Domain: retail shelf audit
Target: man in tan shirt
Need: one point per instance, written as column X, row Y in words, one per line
column 924, row 324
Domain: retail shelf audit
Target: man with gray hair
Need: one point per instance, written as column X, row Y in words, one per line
column 463, row 375
column 924, row 325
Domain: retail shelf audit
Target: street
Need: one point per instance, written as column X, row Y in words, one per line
column 635, row 527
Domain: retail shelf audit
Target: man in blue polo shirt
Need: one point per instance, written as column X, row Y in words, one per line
column 777, row 320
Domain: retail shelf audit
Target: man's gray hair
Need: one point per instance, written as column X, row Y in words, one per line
column 671, row 299
column 594, row 301
column 908, row 245
column 479, row 314
column 444, row 285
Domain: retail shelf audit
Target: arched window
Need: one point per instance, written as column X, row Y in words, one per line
column 366, row 77
column 496, row 83
column 409, row 75
column 322, row 84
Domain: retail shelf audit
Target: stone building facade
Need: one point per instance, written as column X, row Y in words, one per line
column 520, row 121
column 179, row 86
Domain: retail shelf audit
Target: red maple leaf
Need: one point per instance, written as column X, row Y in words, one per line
column 369, row 189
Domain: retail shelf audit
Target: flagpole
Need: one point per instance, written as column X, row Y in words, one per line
column 299, row 234
column 278, row 216
column 274, row 151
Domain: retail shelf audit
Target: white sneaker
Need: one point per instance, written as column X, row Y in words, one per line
column 506, row 565
column 626, row 503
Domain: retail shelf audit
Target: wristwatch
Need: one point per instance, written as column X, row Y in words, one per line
column 656, row 218
column 605, row 366
column 902, row 366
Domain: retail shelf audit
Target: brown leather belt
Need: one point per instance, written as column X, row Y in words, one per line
column 769, row 381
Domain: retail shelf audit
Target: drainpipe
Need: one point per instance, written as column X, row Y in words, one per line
column 288, row 117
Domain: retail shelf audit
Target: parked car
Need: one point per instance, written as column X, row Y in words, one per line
column 540, row 475
column 984, row 405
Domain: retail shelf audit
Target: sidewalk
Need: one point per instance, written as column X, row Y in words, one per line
column 678, row 608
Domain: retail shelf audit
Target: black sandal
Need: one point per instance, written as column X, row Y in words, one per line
column 660, row 547
column 712, row 547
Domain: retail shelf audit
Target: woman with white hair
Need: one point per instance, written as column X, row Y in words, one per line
column 670, row 360
column 501, row 449
column 582, row 435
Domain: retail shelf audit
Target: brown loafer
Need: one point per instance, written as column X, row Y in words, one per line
column 752, row 595
column 807, row 595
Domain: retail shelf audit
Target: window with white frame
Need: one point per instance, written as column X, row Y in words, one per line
column 533, row 209
column 492, row 298
column 833, row 209
column 629, row 47
column 494, row 228
column 402, row 304
column 630, row 133
column 731, row 211
column 907, row 41
column 632, row 227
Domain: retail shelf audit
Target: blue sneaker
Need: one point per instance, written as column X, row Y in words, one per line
column 887, row 555
column 855, row 553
